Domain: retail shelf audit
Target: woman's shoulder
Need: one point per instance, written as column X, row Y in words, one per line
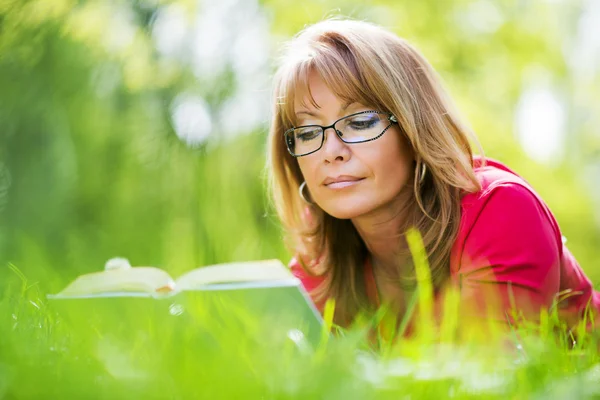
column 499, row 181
column 503, row 210
column 491, row 175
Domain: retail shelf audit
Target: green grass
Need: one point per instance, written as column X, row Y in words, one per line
column 43, row 357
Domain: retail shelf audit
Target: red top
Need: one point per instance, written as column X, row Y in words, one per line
column 508, row 243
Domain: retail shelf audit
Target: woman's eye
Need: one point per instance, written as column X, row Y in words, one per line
column 308, row 135
column 363, row 123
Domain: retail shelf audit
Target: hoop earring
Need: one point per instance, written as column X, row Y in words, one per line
column 422, row 173
column 301, row 192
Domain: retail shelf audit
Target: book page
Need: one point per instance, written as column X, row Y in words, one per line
column 248, row 271
column 135, row 279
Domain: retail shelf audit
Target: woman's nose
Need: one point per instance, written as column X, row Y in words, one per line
column 333, row 147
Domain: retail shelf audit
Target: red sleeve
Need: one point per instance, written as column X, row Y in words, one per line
column 511, row 256
column 576, row 293
column 309, row 282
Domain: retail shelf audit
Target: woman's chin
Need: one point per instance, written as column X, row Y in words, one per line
column 346, row 212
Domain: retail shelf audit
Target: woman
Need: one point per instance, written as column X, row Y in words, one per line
column 364, row 144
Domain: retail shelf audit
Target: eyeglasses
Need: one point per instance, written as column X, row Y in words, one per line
column 359, row 127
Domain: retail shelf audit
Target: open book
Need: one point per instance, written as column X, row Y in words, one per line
column 121, row 279
column 145, row 314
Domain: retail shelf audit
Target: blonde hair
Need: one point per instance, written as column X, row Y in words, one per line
column 361, row 62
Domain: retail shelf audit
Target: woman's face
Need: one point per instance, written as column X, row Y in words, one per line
column 368, row 177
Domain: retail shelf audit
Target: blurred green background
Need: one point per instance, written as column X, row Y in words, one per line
column 137, row 128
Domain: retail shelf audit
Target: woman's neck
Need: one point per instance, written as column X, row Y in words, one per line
column 383, row 234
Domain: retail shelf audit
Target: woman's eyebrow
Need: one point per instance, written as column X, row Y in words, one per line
column 346, row 105
column 306, row 113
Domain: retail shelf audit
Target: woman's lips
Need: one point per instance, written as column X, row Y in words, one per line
column 343, row 184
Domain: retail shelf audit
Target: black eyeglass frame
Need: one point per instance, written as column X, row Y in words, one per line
column 391, row 117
